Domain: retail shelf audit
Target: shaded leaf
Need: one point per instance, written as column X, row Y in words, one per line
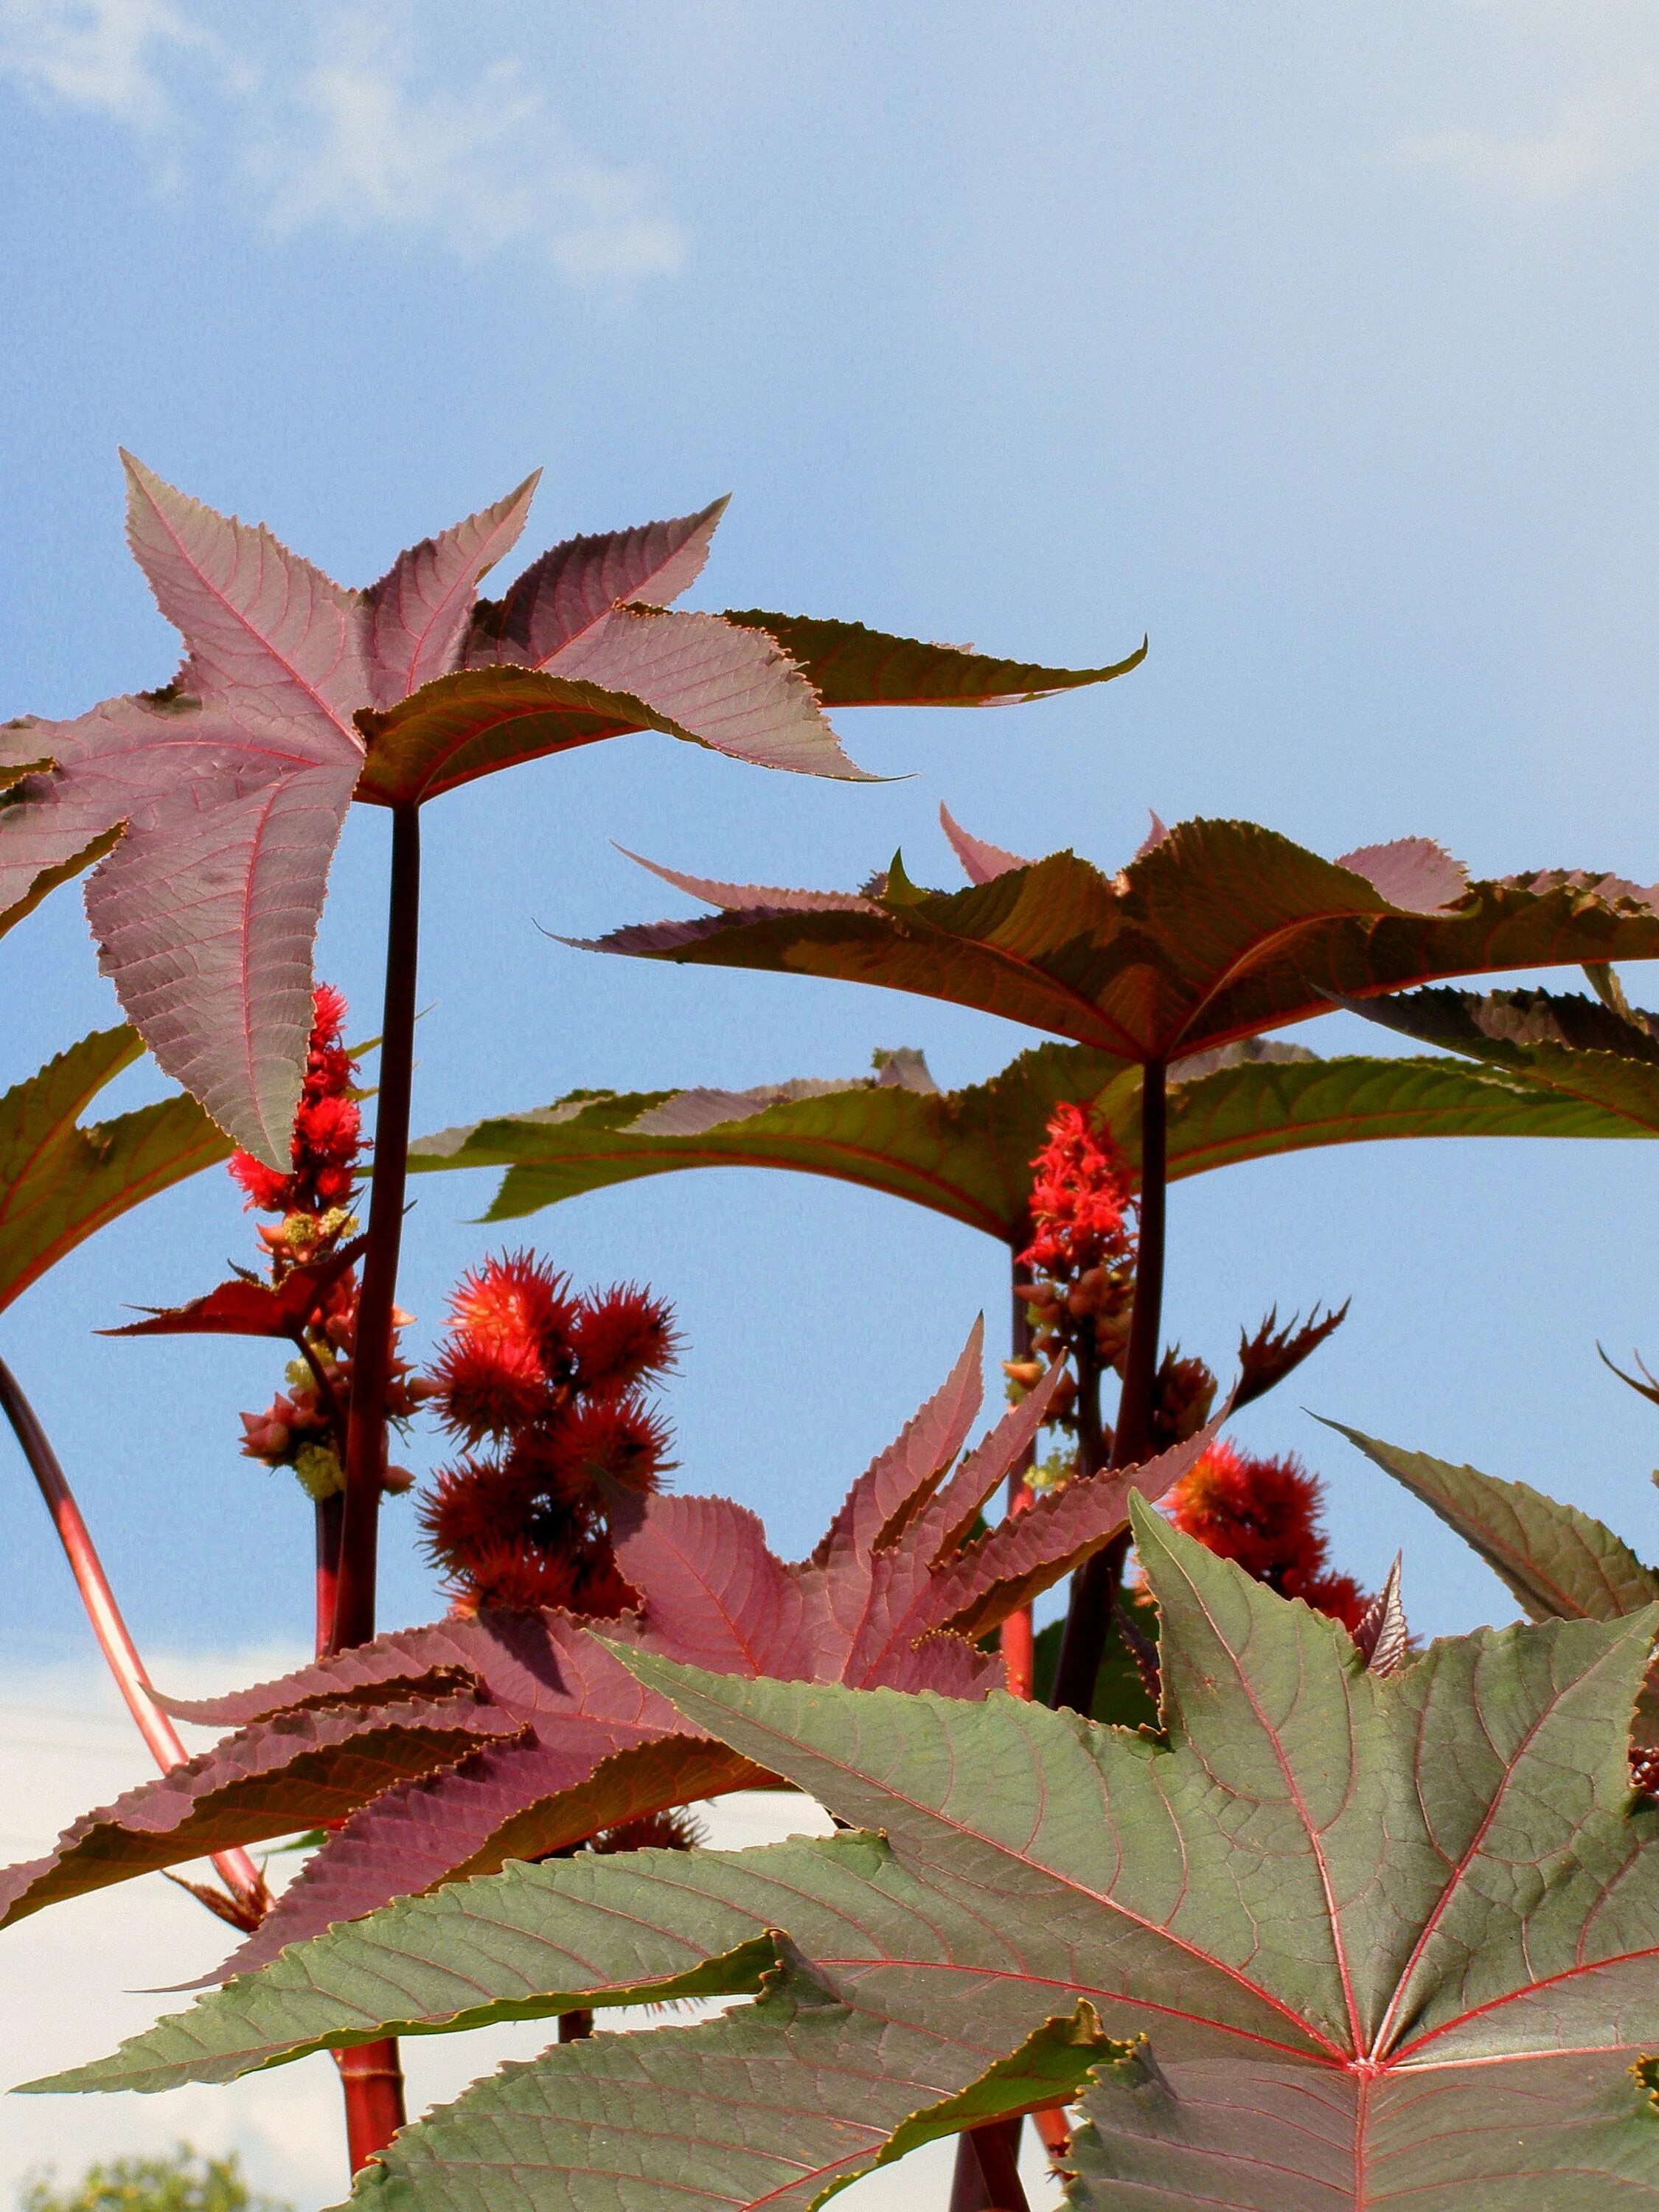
column 1221, row 930
column 964, row 1154
column 1648, row 1389
column 1287, row 2034
column 60, row 1183
column 1560, row 1564
column 1574, row 1046
column 852, row 666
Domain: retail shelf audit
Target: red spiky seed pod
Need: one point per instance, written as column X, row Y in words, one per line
column 1264, row 1514
column 621, row 1337
column 607, row 1440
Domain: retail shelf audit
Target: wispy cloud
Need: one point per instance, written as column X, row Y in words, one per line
column 103, row 55
column 485, row 168
column 1597, row 138
column 330, row 125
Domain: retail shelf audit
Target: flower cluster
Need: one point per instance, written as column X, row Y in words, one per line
column 1081, row 1257
column 1264, row 1513
column 327, row 1135
column 547, row 1391
column 304, row 1427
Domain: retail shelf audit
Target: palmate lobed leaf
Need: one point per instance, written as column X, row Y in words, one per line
column 891, row 1596
column 297, row 1769
column 61, row 1181
column 1388, row 1940
column 1218, row 932
column 1560, row 1563
column 212, row 809
column 966, row 1154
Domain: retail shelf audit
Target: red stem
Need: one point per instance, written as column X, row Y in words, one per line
column 1095, row 1585
column 1018, row 1640
column 331, row 1516
column 370, row 2074
column 371, row 1365
column 234, row 1869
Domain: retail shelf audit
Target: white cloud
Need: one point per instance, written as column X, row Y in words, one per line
column 1597, row 138
column 332, row 126
column 96, row 54
column 484, row 168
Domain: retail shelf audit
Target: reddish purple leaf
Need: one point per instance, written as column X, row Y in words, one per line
column 755, row 898
column 577, row 584
column 982, row 862
column 879, row 1602
column 420, row 611
column 1414, row 872
column 242, row 1307
column 297, row 1769
column 887, row 1494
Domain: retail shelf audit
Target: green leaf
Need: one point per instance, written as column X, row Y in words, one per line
column 1355, row 1902
column 1560, row 1564
column 1221, row 930
column 1572, row 1046
column 849, row 665
column 60, row 1182
column 966, row 1154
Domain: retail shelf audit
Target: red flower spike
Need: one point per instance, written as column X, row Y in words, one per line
column 621, row 1338
column 1082, row 1191
column 327, row 1127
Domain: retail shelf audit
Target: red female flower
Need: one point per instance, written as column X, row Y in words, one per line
column 1264, row 1514
column 552, row 1383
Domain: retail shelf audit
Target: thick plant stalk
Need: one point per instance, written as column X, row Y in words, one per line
column 1018, row 1642
column 331, row 1519
column 371, row 1365
column 234, row 1869
column 1094, row 1586
column 987, row 2177
column 370, row 2074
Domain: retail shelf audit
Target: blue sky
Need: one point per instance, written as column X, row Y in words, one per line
column 1317, row 343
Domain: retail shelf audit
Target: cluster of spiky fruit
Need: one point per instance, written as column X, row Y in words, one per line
column 304, row 1427
column 1264, row 1515
column 548, row 1392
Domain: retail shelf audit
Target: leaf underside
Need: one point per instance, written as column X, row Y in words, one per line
column 1190, row 1928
